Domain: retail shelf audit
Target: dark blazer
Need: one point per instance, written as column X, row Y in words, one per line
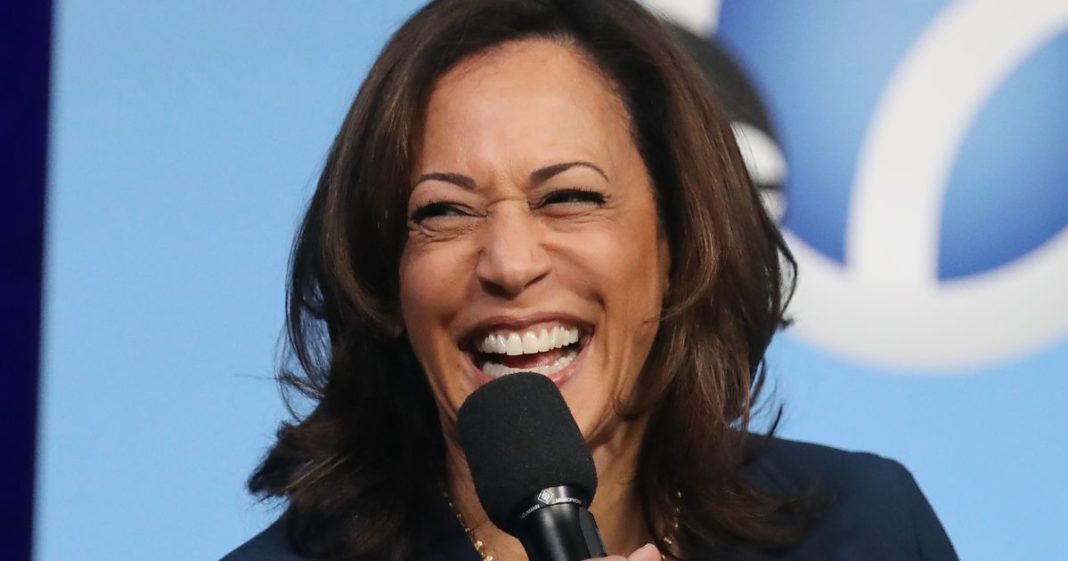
column 876, row 512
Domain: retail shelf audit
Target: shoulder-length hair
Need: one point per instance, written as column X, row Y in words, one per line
column 355, row 470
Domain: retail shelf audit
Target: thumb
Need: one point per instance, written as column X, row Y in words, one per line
column 647, row 552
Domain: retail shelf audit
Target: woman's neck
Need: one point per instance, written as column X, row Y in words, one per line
column 616, row 506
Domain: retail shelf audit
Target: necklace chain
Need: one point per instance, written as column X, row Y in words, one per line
column 483, row 551
column 480, row 547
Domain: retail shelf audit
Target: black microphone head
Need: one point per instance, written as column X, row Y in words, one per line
column 520, row 438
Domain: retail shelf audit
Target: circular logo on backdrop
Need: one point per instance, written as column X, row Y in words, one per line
column 927, row 194
column 750, row 122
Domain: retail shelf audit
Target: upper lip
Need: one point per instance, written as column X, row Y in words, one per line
column 517, row 323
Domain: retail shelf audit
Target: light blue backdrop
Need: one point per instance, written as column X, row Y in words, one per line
column 186, row 137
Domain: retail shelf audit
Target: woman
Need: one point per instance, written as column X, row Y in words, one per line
column 549, row 185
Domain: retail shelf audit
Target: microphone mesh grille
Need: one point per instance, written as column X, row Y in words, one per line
column 519, row 438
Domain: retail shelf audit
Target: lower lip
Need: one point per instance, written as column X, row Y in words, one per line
column 559, row 378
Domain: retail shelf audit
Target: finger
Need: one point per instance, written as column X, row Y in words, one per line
column 647, row 552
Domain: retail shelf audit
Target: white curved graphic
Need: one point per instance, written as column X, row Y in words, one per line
column 764, row 162
column 697, row 16
column 763, row 159
column 887, row 304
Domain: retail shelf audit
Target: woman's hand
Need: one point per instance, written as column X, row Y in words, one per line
column 647, row 552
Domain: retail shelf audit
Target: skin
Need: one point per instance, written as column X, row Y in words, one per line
column 490, row 240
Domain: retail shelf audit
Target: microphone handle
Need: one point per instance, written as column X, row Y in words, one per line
column 564, row 531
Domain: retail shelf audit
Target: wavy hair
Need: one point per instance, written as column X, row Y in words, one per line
column 355, row 470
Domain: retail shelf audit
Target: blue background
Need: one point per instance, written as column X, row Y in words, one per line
column 185, row 140
column 987, row 444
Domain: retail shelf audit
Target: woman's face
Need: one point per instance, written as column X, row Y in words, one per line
column 533, row 240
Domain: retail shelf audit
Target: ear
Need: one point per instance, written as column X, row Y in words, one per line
column 393, row 324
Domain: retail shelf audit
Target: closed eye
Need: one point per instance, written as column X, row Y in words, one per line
column 434, row 210
column 572, row 196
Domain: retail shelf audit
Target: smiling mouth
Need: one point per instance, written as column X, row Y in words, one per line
column 546, row 350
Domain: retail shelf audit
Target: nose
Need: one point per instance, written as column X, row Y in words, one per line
column 513, row 256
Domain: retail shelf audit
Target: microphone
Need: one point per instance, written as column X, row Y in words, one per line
column 531, row 468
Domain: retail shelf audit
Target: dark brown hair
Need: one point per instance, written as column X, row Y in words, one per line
column 355, row 470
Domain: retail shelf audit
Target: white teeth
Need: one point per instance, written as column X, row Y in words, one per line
column 492, row 344
column 514, row 345
column 498, row 370
column 528, row 342
column 544, row 341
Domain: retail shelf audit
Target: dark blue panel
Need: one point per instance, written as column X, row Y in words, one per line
column 25, row 41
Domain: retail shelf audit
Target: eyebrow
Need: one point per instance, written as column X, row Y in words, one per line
column 541, row 175
column 538, row 176
column 454, row 178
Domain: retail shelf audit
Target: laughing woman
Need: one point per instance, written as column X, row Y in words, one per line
column 549, row 185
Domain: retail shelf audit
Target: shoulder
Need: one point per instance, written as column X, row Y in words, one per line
column 437, row 537
column 790, row 465
column 872, row 507
column 271, row 544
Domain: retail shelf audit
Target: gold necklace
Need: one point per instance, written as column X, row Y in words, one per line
column 479, row 546
column 484, row 553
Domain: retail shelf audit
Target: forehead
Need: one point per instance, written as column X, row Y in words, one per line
column 538, row 95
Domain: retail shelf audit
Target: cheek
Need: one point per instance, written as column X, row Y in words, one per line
column 431, row 290
column 625, row 270
column 416, row 296
column 623, row 273
column 431, row 293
